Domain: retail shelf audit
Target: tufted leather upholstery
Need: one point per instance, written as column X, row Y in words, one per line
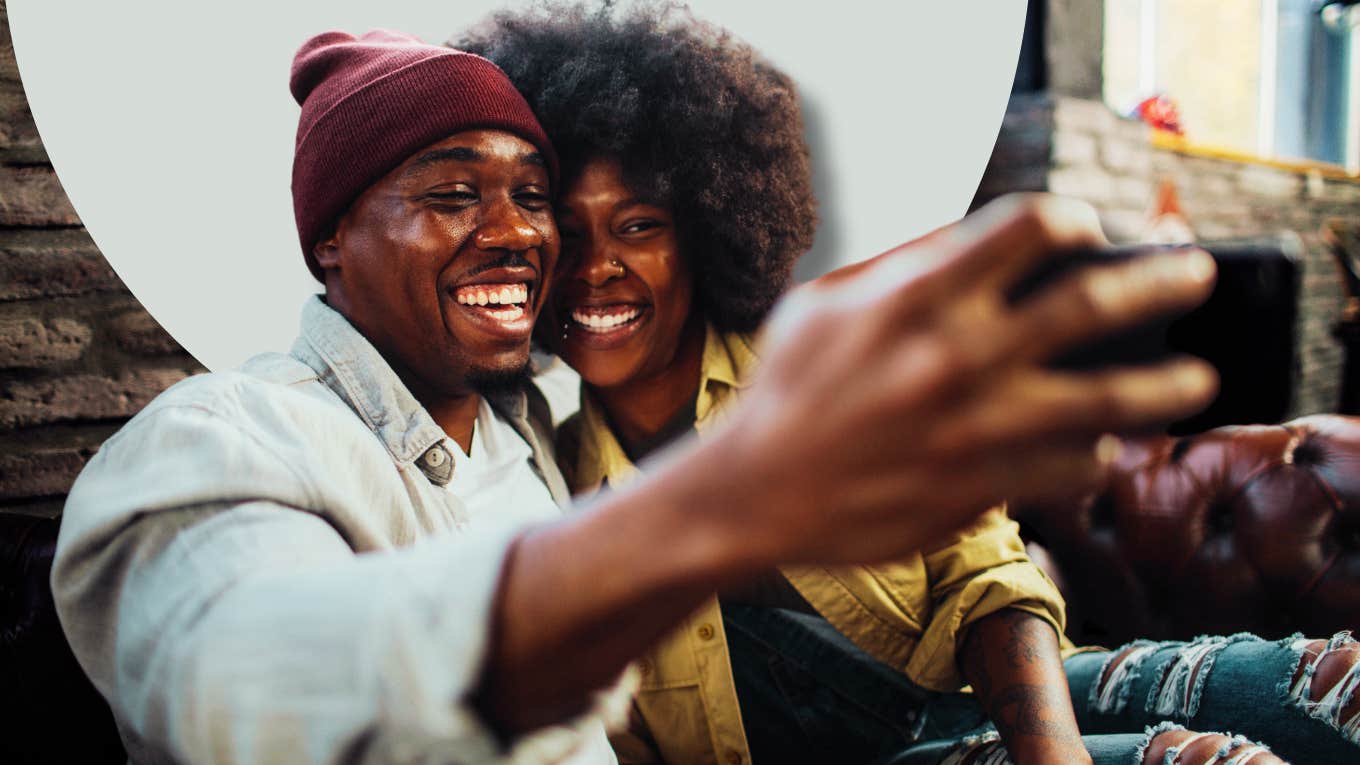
column 1245, row 528
column 1252, row 528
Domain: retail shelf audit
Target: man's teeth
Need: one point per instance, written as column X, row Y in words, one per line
column 494, row 294
column 603, row 322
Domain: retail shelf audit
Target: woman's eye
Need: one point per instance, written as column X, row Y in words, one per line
column 639, row 226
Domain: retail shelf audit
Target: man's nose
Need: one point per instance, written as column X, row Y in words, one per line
column 505, row 228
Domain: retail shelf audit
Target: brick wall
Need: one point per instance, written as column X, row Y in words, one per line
column 1080, row 148
column 78, row 354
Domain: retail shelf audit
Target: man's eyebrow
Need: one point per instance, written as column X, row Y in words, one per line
column 454, row 154
column 466, row 154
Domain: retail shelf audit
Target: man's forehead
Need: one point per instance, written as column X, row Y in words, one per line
column 476, row 146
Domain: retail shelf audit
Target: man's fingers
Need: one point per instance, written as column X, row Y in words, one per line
column 1007, row 238
column 1037, row 406
column 1100, row 300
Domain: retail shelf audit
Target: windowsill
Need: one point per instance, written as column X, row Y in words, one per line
column 1172, row 142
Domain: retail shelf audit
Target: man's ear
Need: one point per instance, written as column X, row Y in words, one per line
column 327, row 250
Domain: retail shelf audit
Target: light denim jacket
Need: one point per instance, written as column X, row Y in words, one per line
column 264, row 566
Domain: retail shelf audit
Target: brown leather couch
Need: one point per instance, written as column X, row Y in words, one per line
column 1250, row 528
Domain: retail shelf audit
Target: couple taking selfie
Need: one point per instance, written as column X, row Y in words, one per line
column 775, row 530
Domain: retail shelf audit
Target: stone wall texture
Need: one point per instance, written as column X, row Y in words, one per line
column 1081, row 148
column 78, row 354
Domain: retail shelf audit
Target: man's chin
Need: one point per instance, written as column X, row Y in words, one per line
column 499, row 381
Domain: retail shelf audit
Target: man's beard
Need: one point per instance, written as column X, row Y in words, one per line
column 499, row 382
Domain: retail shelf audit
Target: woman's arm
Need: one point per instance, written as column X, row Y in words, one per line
column 1011, row 659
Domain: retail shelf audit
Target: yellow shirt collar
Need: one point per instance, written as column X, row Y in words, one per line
column 727, row 363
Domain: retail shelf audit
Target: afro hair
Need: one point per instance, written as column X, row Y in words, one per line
column 699, row 122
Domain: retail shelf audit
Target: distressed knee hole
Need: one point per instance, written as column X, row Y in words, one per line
column 1180, row 683
column 983, row 750
column 1326, row 683
column 1185, row 747
column 1110, row 692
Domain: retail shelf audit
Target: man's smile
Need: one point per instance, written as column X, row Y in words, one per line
column 499, row 301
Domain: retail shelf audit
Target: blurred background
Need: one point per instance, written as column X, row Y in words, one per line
column 1212, row 119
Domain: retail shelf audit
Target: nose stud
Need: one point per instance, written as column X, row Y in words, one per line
column 614, row 263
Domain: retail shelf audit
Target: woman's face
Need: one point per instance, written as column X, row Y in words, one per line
column 624, row 292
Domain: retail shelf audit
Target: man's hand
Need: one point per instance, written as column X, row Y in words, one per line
column 897, row 401
column 899, row 398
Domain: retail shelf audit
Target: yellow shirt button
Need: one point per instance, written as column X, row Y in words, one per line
column 706, row 633
column 733, row 757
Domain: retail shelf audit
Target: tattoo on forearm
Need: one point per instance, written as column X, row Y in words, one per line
column 1022, row 647
column 1021, row 710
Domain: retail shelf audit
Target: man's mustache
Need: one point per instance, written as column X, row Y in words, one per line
column 508, row 260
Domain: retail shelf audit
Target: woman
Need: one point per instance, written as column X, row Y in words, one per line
column 687, row 198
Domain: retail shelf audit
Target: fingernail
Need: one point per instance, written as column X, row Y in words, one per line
column 1199, row 265
column 1108, row 449
column 1193, row 377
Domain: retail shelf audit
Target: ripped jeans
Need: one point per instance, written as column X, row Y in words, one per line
column 808, row 694
column 1242, row 684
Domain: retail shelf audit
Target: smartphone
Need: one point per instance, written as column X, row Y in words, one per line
column 1246, row 328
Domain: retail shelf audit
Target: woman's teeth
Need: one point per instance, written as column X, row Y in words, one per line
column 604, row 321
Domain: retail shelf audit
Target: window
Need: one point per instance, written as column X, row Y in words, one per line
column 1275, row 78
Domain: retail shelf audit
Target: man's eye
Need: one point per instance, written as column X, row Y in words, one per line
column 460, row 196
column 533, row 200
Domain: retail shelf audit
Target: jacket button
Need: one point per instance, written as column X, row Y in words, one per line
column 706, row 633
column 733, row 757
column 434, row 457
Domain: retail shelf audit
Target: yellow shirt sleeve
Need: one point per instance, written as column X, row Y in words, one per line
column 984, row 571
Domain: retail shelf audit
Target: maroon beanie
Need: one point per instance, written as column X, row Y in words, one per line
column 369, row 103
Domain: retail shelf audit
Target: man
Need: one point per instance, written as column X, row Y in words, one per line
column 351, row 553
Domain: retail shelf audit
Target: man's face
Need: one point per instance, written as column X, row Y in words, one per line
column 443, row 263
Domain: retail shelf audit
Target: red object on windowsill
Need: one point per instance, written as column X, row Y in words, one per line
column 1161, row 112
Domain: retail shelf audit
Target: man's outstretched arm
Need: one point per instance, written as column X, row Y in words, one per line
column 911, row 383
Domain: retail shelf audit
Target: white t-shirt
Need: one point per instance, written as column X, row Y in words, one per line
column 497, row 481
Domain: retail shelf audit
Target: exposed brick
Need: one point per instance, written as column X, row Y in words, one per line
column 81, row 397
column 136, row 332
column 19, row 142
column 57, row 263
column 1133, row 191
column 1073, row 148
column 1089, row 183
column 1212, row 185
column 40, row 472
column 1346, row 192
column 33, row 196
column 31, row 342
column 1081, row 114
column 9, row 69
column 1269, row 182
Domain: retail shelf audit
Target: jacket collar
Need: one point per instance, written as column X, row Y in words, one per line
column 351, row 367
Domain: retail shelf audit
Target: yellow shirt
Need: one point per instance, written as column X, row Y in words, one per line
column 912, row 614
